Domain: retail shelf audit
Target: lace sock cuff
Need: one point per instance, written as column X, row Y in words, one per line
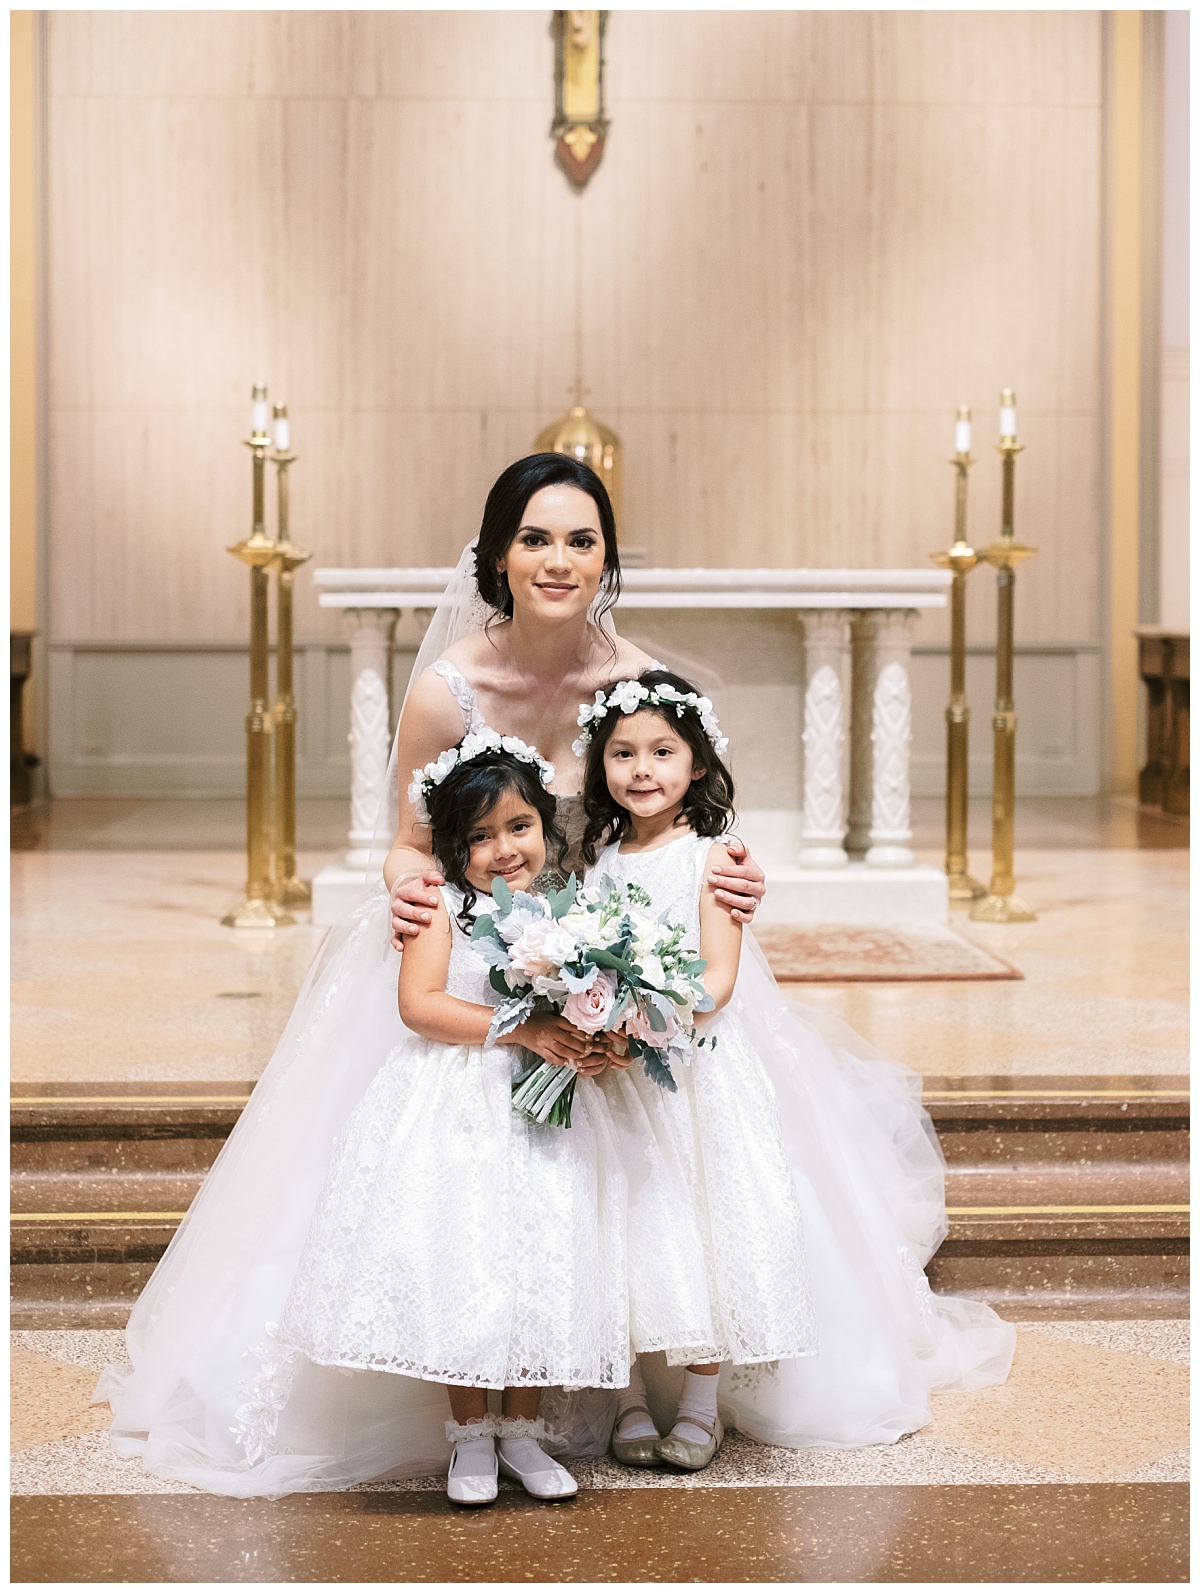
column 463, row 1432
column 521, row 1427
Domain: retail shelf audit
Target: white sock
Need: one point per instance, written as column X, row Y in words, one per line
column 699, row 1399
column 475, row 1457
column 526, row 1454
column 634, row 1423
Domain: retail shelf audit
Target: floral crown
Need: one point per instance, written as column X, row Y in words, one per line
column 473, row 745
column 628, row 696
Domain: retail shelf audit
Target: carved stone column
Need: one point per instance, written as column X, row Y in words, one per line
column 862, row 689
column 891, row 741
column 823, row 826
column 370, row 724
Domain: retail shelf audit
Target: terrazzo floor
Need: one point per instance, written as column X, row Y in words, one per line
column 1086, row 1402
column 121, row 970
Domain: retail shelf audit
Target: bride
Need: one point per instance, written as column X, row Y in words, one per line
column 212, row 1397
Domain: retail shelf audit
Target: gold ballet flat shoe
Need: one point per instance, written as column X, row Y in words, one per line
column 687, row 1456
column 636, row 1451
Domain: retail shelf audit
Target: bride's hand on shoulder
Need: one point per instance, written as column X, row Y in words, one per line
column 414, row 901
column 740, row 883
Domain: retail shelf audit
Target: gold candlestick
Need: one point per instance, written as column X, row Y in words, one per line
column 289, row 890
column 1000, row 905
column 961, row 559
column 258, row 910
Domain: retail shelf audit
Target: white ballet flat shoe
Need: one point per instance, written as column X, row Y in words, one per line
column 549, row 1481
column 478, row 1489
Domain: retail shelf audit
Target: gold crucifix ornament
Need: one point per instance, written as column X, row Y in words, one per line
column 579, row 122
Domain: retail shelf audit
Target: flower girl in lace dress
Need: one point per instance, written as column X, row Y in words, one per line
column 812, row 1179
column 455, row 1241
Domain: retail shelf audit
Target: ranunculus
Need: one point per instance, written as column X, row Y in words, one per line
column 637, row 1024
column 542, row 946
column 589, row 1009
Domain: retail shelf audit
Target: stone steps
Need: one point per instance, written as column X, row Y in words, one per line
column 1066, row 1197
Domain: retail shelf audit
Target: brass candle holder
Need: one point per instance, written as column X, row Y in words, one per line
column 289, row 891
column 961, row 559
column 259, row 910
column 1000, row 905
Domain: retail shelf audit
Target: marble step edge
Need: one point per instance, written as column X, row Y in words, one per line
column 138, row 1235
column 972, row 1101
column 1059, row 1184
column 112, row 1312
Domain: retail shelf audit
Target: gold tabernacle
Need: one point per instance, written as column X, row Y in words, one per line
column 1000, row 905
column 581, row 436
column 289, row 891
column 961, row 559
column 258, row 910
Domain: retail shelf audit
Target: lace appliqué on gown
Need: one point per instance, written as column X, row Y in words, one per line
column 264, row 1394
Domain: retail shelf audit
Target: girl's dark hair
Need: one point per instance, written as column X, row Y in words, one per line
column 505, row 508
column 708, row 802
column 466, row 796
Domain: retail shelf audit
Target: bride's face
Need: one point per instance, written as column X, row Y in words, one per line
column 555, row 562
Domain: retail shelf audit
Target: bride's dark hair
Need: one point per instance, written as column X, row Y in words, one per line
column 708, row 801
column 505, row 507
column 464, row 799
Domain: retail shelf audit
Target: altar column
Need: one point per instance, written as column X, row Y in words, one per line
column 891, row 741
column 370, row 723
column 823, row 823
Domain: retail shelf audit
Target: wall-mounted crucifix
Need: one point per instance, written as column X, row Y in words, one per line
column 579, row 121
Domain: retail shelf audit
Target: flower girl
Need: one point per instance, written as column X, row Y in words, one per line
column 793, row 1265
column 454, row 1241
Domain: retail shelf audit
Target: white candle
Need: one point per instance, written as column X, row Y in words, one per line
column 1008, row 413
column 260, row 412
column 962, row 431
column 283, row 435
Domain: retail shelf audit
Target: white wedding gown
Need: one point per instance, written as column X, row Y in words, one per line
column 216, row 1398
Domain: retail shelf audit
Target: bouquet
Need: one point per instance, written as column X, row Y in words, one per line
column 599, row 956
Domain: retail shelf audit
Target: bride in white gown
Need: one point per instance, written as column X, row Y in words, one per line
column 212, row 1397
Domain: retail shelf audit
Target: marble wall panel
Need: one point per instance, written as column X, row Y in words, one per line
column 811, row 236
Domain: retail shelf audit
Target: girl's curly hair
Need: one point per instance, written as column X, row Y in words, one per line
column 708, row 802
column 465, row 798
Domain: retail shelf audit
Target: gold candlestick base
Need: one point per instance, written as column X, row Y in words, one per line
column 965, row 888
column 1002, row 910
column 295, row 893
column 258, row 913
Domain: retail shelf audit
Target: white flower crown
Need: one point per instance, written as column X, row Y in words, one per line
column 629, row 695
column 473, row 745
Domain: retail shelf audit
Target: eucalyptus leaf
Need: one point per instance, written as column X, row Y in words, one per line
column 502, row 895
column 657, row 1070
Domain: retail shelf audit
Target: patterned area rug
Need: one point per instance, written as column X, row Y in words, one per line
column 842, row 953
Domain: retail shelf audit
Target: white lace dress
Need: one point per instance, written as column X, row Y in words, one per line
column 716, row 1238
column 813, row 1196
column 457, row 1242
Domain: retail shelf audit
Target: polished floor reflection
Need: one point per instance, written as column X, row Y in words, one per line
column 1106, row 1532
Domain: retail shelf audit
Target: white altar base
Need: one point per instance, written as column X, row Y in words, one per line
column 844, row 856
